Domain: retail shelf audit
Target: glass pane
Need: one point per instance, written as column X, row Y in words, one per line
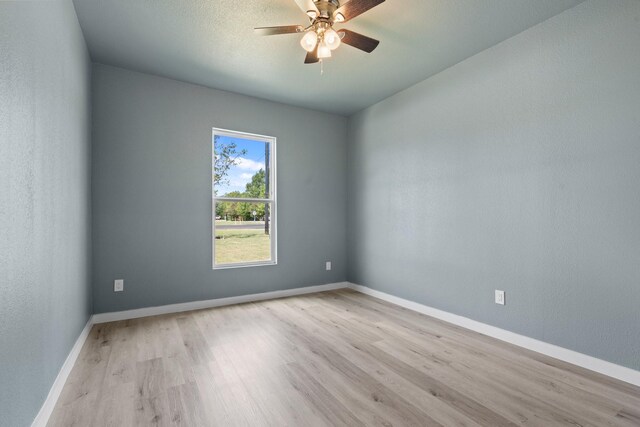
column 241, row 167
column 243, row 232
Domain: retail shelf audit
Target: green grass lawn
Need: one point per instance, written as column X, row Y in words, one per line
column 242, row 245
column 223, row 222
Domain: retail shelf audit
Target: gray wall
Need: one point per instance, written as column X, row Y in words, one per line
column 517, row 169
column 45, row 298
column 152, row 191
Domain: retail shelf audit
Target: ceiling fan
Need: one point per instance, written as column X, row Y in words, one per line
column 319, row 36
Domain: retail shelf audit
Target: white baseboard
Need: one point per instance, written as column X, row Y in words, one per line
column 198, row 305
column 42, row 418
column 622, row 373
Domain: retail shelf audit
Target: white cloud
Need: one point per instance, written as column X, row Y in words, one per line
column 237, row 182
column 248, row 164
column 236, row 185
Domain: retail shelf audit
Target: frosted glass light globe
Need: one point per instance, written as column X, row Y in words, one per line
column 332, row 39
column 309, row 41
column 324, row 51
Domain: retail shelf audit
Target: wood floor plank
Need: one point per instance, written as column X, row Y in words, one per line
column 547, row 369
column 419, row 396
column 194, row 341
column 186, row 407
column 121, row 364
column 629, row 417
column 551, row 368
column 457, row 354
column 584, row 407
column 226, row 400
column 151, row 411
column 115, row 407
column 335, row 413
column 337, row 358
column 259, row 372
column 379, row 398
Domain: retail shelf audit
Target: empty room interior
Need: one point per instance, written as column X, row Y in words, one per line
column 319, row 213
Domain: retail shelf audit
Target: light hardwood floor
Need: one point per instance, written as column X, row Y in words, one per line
column 334, row 358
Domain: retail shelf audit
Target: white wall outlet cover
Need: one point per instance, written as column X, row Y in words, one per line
column 500, row 297
column 328, row 265
column 118, row 285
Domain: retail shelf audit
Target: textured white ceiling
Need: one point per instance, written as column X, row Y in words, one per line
column 211, row 42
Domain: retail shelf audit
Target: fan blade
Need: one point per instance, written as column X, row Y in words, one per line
column 312, row 57
column 307, row 5
column 353, row 8
column 285, row 29
column 358, row 40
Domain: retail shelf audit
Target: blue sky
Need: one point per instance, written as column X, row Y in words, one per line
column 248, row 164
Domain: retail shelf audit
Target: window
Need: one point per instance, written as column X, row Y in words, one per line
column 244, row 199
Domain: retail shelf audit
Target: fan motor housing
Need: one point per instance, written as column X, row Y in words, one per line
column 336, row 3
column 327, row 7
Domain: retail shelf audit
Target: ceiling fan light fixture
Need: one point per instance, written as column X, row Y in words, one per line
column 324, row 51
column 309, row 41
column 331, row 39
column 319, row 38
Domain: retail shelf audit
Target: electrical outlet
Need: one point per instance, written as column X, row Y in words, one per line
column 328, row 265
column 500, row 297
column 118, row 285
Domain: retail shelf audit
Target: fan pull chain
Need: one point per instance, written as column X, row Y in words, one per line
column 321, row 67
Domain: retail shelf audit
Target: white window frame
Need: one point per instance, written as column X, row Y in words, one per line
column 271, row 199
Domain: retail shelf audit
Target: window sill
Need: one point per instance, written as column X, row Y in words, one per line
column 243, row 265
